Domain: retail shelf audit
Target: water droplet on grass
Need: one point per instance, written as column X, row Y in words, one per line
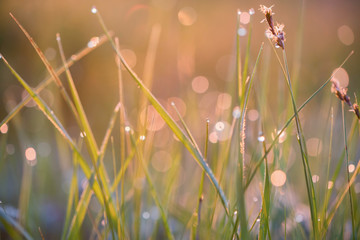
column 261, row 138
column 146, row 215
column 94, row 10
column 142, row 138
column 251, row 11
column 236, row 112
column 219, row 126
column 127, row 129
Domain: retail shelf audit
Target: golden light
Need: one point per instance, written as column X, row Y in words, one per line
column 4, row 128
column 351, row 168
column 314, row 146
column 341, row 75
column 200, row 84
column 161, row 161
column 187, row 16
column 223, row 101
column 253, row 115
column 278, row 178
column 346, row 35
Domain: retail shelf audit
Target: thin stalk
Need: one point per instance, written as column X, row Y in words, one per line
column 258, row 163
column 240, row 164
column 327, row 195
column 71, row 61
column 341, row 197
column 348, row 174
column 116, row 190
column 168, row 119
column 200, row 194
column 84, row 123
column 122, row 132
column 307, row 172
column 153, row 191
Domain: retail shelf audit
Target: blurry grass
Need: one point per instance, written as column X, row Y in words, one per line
column 132, row 192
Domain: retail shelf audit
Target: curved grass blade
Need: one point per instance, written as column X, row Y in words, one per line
column 348, row 174
column 259, row 162
column 73, row 59
column 90, row 138
column 85, row 126
column 170, row 122
column 341, row 197
column 153, row 190
column 12, row 226
column 81, row 208
column 241, row 216
column 53, row 119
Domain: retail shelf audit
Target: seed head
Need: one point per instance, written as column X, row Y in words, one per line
column 355, row 109
column 341, row 93
column 275, row 33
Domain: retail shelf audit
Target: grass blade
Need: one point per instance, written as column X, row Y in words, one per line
column 73, row 59
column 170, row 122
column 347, row 173
column 13, row 227
column 153, row 190
column 259, row 162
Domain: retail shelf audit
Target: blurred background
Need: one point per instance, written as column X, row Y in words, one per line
column 194, row 67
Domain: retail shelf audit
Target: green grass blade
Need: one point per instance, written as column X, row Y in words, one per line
column 81, row 208
column 73, row 198
column 240, row 174
column 122, row 131
column 304, row 156
column 341, row 197
column 74, row 58
column 153, row 191
column 259, row 162
column 348, row 174
column 85, row 126
column 13, row 227
column 53, row 119
column 170, row 122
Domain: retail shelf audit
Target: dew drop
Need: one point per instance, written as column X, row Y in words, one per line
column 4, row 128
column 277, row 46
column 351, row 168
column 146, row 215
column 241, row 32
column 238, row 12
column 208, row 120
column 94, row 10
column 261, row 138
column 299, row 218
column 93, row 42
column 82, row 134
column 251, row 11
column 315, row 178
column 172, row 104
column 236, row 112
column 258, row 220
column 127, row 129
column 219, row 126
column 142, row 138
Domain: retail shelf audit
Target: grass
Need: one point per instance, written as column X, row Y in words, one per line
column 240, row 185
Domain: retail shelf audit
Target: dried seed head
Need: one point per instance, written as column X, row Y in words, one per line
column 355, row 109
column 276, row 34
column 341, row 93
